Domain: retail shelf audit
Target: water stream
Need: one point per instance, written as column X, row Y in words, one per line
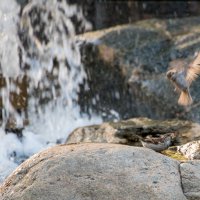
column 41, row 72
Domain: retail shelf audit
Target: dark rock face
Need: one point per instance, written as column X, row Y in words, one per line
column 106, row 84
column 126, row 68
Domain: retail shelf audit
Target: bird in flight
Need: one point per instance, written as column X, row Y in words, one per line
column 182, row 74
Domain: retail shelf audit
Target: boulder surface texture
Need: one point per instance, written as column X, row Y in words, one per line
column 95, row 171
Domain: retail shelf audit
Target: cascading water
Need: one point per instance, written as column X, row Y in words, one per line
column 39, row 62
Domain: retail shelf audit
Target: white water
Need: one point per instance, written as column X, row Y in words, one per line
column 54, row 120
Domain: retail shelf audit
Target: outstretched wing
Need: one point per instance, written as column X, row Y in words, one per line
column 193, row 70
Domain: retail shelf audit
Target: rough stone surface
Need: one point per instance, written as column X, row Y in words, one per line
column 129, row 131
column 191, row 179
column 95, row 171
column 190, row 150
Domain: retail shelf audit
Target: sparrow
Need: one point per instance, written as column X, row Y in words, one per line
column 182, row 74
column 159, row 143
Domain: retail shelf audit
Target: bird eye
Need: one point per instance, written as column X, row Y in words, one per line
column 169, row 74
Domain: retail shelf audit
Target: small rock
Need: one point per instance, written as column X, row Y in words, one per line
column 191, row 150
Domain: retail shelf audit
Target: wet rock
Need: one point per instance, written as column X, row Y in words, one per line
column 126, row 68
column 95, row 171
column 129, row 131
column 190, row 179
column 191, row 150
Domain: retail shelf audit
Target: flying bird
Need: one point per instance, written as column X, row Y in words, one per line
column 182, row 73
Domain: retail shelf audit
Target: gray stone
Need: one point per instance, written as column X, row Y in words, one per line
column 95, row 171
column 191, row 179
column 190, row 150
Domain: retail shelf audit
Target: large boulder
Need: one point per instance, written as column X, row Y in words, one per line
column 95, row 171
column 126, row 67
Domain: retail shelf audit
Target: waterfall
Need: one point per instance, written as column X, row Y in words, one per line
column 41, row 71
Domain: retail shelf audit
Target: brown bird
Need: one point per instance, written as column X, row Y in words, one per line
column 158, row 143
column 182, row 73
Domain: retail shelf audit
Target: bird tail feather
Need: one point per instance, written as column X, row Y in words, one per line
column 185, row 98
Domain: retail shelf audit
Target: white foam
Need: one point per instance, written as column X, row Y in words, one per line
column 56, row 122
column 9, row 144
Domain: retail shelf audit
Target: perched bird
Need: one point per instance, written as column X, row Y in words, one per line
column 182, row 74
column 158, row 143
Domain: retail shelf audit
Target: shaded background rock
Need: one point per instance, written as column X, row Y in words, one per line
column 95, row 171
column 126, row 68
